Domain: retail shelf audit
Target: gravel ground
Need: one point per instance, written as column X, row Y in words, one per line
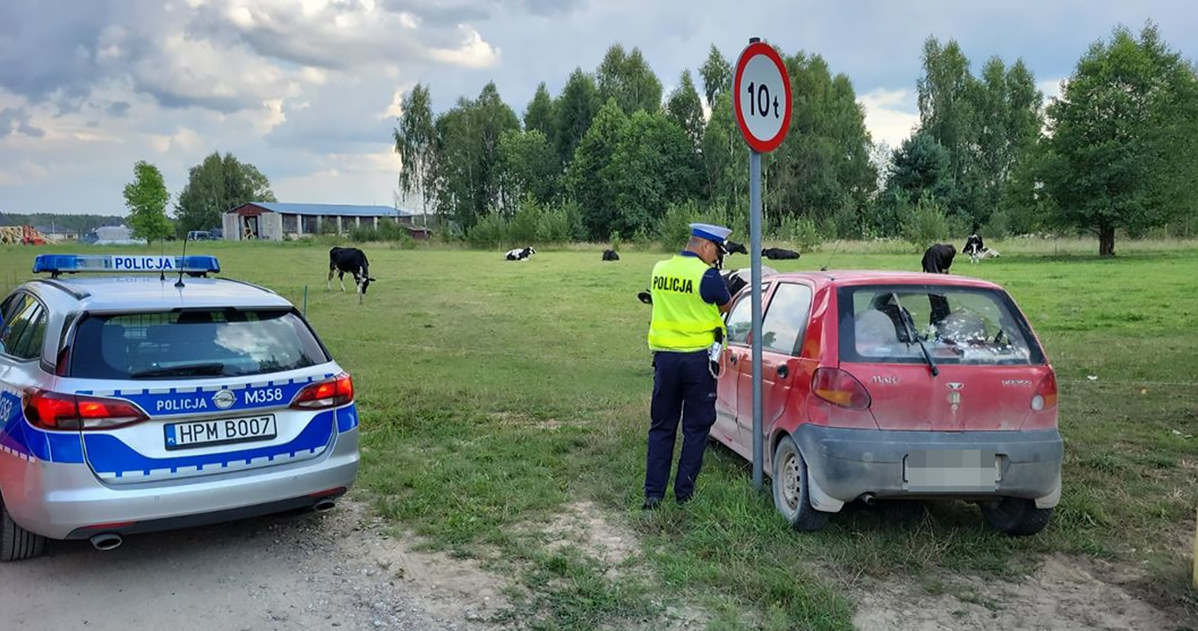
column 336, row 570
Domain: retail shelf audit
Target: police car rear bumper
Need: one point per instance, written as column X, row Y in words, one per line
column 67, row 501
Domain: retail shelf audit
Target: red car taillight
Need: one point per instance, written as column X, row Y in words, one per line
column 1045, row 397
column 59, row 411
column 325, row 394
column 840, row 388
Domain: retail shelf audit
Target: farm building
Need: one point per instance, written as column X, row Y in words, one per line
column 275, row 221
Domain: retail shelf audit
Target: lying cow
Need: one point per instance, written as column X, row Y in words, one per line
column 735, row 280
column 938, row 258
column 520, row 254
column 352, row 260
column 610, row 255
column 779, row 254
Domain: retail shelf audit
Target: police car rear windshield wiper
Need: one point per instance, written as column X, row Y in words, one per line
column 182, row 370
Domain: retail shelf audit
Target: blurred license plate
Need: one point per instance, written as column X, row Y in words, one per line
column 220, row 432
column 949, row 470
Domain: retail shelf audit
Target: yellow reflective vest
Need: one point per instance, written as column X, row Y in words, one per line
column 681, row 322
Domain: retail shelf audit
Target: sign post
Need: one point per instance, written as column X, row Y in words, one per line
column 762, row 102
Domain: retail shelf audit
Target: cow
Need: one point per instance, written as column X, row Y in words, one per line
column 520, row 254
column 732, row 247
column 610, row 255
column 974, row 248
column 938, row 258
column 352, row 260
column 779, row 254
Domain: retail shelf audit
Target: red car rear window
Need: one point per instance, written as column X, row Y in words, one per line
column 957, row 325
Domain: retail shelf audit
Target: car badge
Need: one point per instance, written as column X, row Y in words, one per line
column 954, row 394
column 224, row 399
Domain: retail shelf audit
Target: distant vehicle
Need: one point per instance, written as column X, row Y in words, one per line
column 217, row 233
column 138, row 401
column 199, row 235
column 883, row 385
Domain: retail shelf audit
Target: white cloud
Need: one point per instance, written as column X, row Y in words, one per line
column 890, row 115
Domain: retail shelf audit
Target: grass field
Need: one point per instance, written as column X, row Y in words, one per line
column 494, row 396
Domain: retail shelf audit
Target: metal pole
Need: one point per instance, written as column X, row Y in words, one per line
column 305, row 313
column 755, row 253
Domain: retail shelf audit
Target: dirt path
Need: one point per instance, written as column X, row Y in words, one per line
column 1061, row 595
column 332, row 571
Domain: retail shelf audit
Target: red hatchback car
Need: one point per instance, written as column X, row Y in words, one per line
column 885, row 385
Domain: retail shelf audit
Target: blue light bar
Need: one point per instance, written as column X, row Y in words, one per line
column 120, row 263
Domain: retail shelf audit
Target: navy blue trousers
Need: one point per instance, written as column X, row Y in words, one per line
column 683, row 388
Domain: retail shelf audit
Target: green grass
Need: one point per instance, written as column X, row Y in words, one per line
column 493, row 395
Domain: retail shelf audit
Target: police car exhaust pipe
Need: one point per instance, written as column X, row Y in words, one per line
column 324, row 505
column 106, row 541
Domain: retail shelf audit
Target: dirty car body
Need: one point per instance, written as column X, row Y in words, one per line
column 883, row 385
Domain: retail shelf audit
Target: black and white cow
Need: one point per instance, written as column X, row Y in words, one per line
column 974, row 248
column 352, row 260
column 938, row 258
column 610, row 255
column 520, row 254
column 779, row 254
column 732, row 247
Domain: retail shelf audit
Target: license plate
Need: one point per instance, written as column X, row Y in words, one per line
column 220, row 432
column 951, row 470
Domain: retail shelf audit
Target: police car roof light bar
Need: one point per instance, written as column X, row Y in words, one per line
column 58, row 264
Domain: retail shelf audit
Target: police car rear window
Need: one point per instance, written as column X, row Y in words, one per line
column 192, row 344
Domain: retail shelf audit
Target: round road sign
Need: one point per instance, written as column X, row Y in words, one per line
column 761, row 97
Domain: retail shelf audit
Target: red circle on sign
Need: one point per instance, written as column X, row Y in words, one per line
column 760, row 145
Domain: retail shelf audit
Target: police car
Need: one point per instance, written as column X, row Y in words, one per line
column 139, row 394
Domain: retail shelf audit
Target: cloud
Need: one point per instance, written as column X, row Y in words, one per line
column 16, row 122
column 890, row 115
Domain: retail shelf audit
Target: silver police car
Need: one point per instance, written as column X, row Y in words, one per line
column 139, row 394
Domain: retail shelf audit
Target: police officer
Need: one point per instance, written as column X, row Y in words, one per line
column 689, row 297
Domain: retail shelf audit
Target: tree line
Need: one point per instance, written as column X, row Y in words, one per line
column 215, row 185
column 612, row 157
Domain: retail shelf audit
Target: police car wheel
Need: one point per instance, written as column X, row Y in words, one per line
column 16, row 543
column 791, row 496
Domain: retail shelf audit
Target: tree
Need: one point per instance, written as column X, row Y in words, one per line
column 573, row 111
column 684, row 108
column 467, row 177
column 528, row 166
column 717, row 76
column 725, row 153
column 539, row 113
column 822, row 171
column 415, row 142
column 654, row 166
column 216, row 185
column 946, row 96
column 629, row 80
column 1122, row 151
column 146, row 198
column 589, row 183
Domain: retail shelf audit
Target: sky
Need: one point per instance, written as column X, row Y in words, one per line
column 309, row 90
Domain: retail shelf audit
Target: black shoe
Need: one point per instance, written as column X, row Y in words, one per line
column 683, row 500
column 651, row 503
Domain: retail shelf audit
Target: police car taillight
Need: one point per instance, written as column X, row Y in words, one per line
column 325, row 394
column 59, row 411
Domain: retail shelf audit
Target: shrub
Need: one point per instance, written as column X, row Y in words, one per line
column 924, row 223
column 489, row 232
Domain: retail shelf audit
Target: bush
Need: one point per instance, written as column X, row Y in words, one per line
column 489, row 232
column 800, row 231
column 674, row 229
column 924, row 223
